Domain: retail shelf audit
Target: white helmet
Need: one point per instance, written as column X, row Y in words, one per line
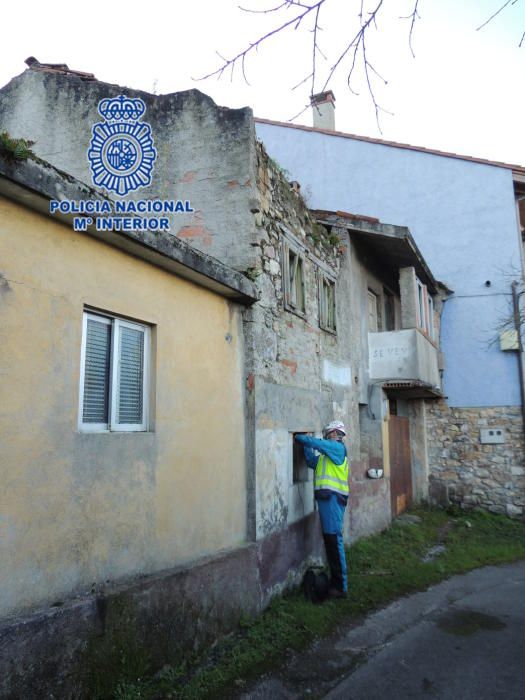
column 334, row 425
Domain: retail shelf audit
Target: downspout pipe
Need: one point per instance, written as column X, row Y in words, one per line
column 517, row 326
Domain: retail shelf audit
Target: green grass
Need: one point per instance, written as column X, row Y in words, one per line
column 381, row 568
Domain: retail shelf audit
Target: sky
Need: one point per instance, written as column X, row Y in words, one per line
column 462, row 93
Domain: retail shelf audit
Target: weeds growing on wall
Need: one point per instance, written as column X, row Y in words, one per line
column 14, row 149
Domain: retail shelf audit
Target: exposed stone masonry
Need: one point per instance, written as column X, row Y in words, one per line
column 465, row 471
column 282, row 354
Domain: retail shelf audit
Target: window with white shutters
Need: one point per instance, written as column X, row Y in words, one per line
column 114, row 374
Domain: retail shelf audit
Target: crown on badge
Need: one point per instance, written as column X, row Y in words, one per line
column 121, row 108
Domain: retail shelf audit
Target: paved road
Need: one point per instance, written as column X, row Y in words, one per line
column 463, row 639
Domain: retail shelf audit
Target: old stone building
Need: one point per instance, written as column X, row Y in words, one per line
column 393, row 304
column 466, row 215
column 307, row 316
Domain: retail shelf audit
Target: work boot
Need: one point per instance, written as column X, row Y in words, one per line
column 337, row 593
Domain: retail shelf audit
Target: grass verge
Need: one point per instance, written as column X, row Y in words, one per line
column 381, row 568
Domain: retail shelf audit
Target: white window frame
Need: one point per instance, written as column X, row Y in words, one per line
column 116, row 324
column 326, row 282
column 290, row 279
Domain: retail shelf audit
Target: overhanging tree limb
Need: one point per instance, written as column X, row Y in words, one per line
column 354, row 54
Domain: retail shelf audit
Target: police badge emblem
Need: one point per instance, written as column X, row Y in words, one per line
column 121, row 151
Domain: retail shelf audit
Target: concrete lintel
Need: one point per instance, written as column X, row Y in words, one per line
column 388, row 241
column 33, row 183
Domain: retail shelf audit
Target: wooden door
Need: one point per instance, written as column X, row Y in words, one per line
column 400, row 466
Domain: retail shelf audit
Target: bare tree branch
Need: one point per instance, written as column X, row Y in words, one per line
column 509, row 2
column 302, row 82
column 316, row 27
column 299, row 114
column 295, row 20
column 414, row 15
column 358, row 44
column 264, row 12
column 356, row 47
column 354, row 55
column 356, row 41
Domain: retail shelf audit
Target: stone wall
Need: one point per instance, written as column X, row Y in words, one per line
column 465, row 471
column 283, row 215
column 298, row 375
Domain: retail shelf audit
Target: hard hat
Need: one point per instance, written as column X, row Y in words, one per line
column 334, row 425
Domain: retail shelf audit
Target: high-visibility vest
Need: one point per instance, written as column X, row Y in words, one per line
column 331, row 476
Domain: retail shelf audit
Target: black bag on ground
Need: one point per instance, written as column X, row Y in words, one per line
column 315, row 585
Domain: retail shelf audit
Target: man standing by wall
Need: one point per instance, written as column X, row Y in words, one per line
column 331, row 494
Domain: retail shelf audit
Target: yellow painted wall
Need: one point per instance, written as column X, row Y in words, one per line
column 77, row 509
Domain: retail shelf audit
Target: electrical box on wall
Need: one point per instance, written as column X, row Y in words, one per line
column 492, row 436
column 508, row 340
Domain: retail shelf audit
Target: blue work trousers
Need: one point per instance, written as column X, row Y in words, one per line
column 331, row 512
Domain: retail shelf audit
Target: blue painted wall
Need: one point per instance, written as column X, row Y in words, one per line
column 463, row 218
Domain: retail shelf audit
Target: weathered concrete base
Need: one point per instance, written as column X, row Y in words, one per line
column 369, row 507
column 282, row 555
column 80, row 649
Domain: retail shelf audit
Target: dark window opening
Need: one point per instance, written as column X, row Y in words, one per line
column 390, row 313
column 300, row 468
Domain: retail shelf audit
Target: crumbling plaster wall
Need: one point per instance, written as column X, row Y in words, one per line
column 243, row 208
column 205, row 153
column 81, row 508
column 300, row 375
column 370, row 499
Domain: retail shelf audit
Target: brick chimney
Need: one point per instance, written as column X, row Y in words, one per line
column 323, row 108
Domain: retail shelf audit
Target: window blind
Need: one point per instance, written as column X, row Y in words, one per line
column 130, row 376
column 96, row 376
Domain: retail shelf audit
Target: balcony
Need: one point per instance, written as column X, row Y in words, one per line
column 405, row 362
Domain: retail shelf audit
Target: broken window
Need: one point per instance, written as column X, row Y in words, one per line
column 327, row 303
column 293, row 275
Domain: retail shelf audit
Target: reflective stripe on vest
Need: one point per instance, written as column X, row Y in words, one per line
column 331, row 476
